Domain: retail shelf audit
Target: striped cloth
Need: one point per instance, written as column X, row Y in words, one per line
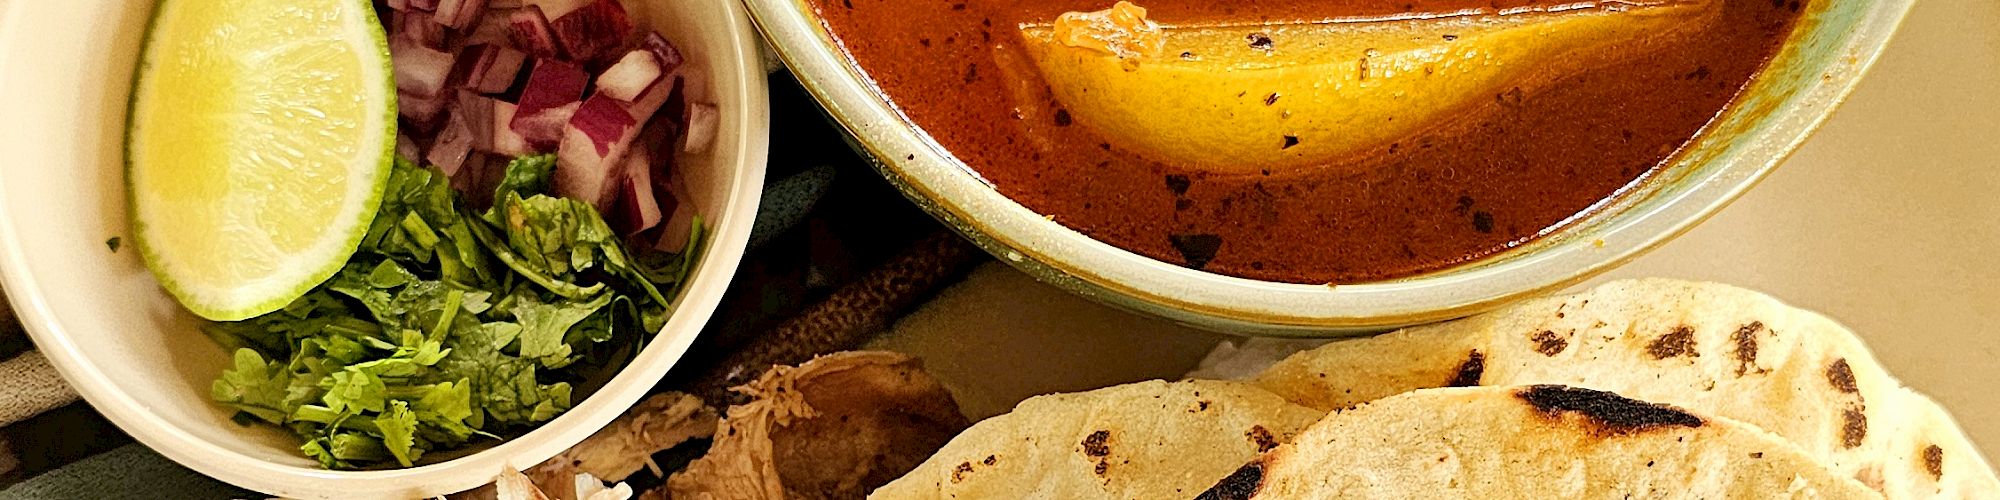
column 32, row 387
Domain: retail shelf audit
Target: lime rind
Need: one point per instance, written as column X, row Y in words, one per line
column 194, row 298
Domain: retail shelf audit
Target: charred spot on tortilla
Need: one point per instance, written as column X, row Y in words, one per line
column 1676, row 343
column 1262, row 438
column 1240, row 485
column 990, row 460
column 1095, row 444
column 1549, row 343
column 958, row 473
column 1855, row 428
column 1470, row 371
column 1611, row 413
column 1934, row 461
column 1746, row 348
column 1199, row 406
column 1841, row 376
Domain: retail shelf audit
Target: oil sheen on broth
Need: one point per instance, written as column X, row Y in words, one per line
column 1315, row 141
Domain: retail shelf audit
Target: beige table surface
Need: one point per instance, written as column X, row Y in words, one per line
column 1886, row 220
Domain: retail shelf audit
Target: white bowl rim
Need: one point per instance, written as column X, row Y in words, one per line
column 928, row 174
column 729, row 233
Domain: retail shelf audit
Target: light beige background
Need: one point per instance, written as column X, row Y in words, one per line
column 1888, row 220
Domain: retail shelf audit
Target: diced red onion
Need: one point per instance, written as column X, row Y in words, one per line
column 505, row 140
column 664, row 175
column 587, row 177
column 476, row 112
column 679, row 225
column 557, row 8
column 701, row 123
column 593, row 31
column 419, row 70
column 638, row 71
column 406, row 148
column 416, row 26
column 649, row 102
column 553, row 84
column 676, row 107
column 605, row 121
column 588, row 164
column 488, row 69
column 476, row 179
column 459, row 14
column 660, row 136
column 543, row 131
column 421, row 111
column 669, row 55
column 494, row 27
column 453, row 145
column 637, row 208
column 614, row 149
column 532, row 33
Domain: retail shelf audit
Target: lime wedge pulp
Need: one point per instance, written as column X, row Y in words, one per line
column 260, row 135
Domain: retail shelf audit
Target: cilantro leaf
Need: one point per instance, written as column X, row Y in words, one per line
column 353, row 391
column 446, row 403
column 526, row 176
column 317, row 450
column 419, row 220
column 530, row 270
column 444, row 410
column 356, row 446
column 504, row 386
column 399, row 432
column 545, row 327
column 254, row 386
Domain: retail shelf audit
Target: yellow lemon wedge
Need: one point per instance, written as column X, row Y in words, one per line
column 259, row 140
column 1244, row 99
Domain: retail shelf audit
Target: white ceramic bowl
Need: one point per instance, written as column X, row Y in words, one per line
column 1833, row 45
column 134, row 354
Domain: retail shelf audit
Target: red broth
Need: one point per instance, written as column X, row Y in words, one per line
column 1490, row 177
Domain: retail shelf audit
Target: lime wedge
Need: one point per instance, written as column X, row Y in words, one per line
column 261, row 133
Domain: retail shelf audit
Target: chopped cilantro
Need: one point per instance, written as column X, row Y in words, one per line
column 447, row 325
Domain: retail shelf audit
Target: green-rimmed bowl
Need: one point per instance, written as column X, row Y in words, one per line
column 1833, row 45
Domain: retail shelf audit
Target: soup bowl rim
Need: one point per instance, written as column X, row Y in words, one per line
column 1845, row 38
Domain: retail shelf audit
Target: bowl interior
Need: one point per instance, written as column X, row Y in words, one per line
column 1834, row 43
column 65, row 70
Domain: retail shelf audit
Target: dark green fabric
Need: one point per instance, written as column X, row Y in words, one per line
column 128, row 472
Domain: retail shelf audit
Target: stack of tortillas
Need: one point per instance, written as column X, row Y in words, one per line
column 1637, row 389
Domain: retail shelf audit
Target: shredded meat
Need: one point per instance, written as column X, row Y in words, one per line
column 834, row 427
